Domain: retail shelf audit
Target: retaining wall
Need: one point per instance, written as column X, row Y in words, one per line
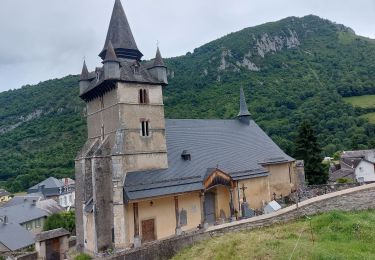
column 358, row 198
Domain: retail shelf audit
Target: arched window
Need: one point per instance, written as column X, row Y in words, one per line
column 143, row 96
column 145, row 127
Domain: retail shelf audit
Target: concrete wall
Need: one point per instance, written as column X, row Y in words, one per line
column 359, row 198
column 222, row 202
column 191, row 203
column 281, row 179
column 163, row 211
column 257, row 191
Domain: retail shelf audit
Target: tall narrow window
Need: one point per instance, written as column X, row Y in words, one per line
column 145, row 128
column 143, row 97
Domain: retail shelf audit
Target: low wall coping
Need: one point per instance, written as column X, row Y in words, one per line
column 293, row 207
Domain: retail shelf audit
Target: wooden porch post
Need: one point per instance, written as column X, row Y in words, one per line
column 203, row 213
column 232, row 217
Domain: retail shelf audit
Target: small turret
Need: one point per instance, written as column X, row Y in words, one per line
column 244, row 115
column 84, row 81
column 111, row 64
column 158, row 69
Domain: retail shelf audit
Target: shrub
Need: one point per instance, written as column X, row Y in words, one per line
column 82, row 256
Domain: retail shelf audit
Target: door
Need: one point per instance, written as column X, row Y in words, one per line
column 209, row 207
column 53, row 249
column 148, row 230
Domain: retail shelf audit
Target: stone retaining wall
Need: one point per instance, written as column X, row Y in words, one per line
column 358, row 198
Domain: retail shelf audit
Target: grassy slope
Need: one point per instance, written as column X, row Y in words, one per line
column 370, row 117
column 366, row 101
column 337, row 235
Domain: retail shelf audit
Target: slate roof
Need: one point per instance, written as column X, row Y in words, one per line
column 158, row 61
column 22, row 213
column 50, row 234
column 244, row 111
column 356, row 154
column 233, row 147
column 4, row 193
column 120, row 34
column 15, row 237
column 120, row 46
column 85, row 72
column 342, row 173
column 29, row 198
column 52, row 187
column 350, row 162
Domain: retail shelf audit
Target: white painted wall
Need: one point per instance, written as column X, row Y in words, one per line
column 67, row 200
column 366, row 171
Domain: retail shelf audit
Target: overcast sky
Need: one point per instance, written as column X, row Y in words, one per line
column 44, row 39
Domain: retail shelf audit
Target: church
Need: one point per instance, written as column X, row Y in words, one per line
column 141, row 177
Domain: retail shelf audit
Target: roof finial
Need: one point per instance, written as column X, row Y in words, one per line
column 244, row 114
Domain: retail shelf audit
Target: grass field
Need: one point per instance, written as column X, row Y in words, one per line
column 366, row 101
column 370, row 117
column 336, row 235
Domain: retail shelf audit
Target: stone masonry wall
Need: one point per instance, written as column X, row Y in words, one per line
column 358, row 198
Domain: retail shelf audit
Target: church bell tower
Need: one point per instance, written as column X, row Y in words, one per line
column 126, row 133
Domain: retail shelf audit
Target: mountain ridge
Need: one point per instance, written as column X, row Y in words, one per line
column 293, row 69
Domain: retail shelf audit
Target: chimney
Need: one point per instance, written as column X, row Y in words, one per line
column 34, row 203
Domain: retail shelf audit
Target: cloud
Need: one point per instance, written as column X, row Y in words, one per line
column 43, row 39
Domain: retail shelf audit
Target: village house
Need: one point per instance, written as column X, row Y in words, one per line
column 21, row 219
column 63, row 191
column 141, row 177
column 355, row 166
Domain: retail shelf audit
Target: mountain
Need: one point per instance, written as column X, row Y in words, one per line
column 292, row 70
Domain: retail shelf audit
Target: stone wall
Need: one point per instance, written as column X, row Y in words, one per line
column 358, row 198
column 311, row 191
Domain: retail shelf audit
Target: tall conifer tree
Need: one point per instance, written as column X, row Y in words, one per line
column 307, row 149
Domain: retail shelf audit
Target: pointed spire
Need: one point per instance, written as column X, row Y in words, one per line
column 110, row 54
column 158, row 61
column 120, row 34
column 244, row 114
column 85, row 72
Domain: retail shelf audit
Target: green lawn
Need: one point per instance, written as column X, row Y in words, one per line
column 370, row 117
column 337, row 235
column 366, row 101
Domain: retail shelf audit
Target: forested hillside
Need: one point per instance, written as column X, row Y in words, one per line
column 292, row 70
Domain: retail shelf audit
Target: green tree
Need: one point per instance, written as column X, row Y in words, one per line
column 307, row 149
column 61, row 220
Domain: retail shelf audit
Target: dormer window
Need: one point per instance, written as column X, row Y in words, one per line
column 186, row 155
column 97, row 76
column 145, row 128
column 143, row 97
column 136, row 67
